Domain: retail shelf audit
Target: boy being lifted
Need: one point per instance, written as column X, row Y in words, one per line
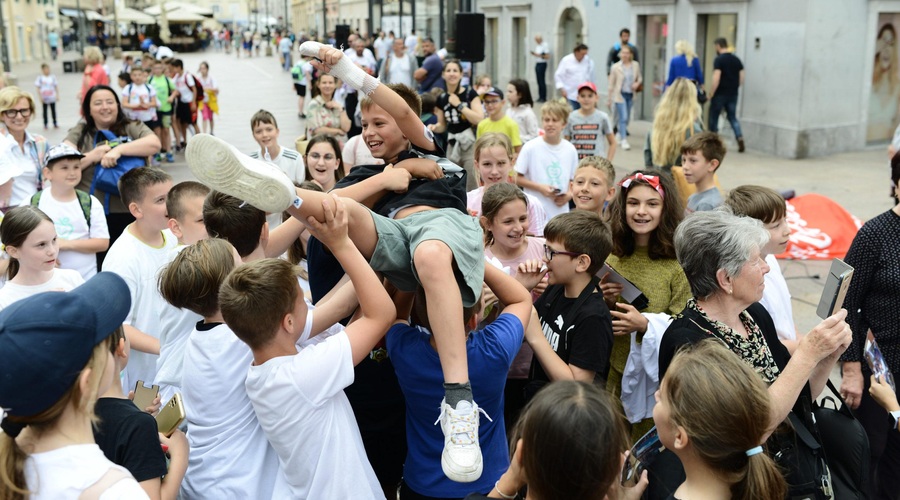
column 429, row 238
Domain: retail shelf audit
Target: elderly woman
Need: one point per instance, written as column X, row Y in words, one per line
column 20, row 152
column 94, row 74
column 721, row 257
column 102, row 111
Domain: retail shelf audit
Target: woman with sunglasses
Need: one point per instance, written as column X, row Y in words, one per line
column 21, row 153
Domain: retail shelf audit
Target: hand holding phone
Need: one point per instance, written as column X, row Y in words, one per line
column 144, row 396
column 171, row 416
column 836, row 286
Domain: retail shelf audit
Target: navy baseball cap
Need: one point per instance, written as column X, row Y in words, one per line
column 47, row 339
column 494, row 91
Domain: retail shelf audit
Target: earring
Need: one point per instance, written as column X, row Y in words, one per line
column 730, row 291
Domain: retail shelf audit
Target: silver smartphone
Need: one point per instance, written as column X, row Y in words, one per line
column 836, row 286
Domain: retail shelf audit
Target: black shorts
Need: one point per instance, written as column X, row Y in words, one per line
column 301, row 89
column 152, row 124
column 183, row 112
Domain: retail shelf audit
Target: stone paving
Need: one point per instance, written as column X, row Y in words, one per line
column 857, row 180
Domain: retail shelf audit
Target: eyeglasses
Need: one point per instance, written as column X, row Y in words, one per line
column 326, row 157
column 11, row 113
column 549, row 253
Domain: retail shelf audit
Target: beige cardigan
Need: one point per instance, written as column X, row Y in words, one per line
column 617, row 78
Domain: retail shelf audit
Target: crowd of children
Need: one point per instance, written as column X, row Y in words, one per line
column 499, row 313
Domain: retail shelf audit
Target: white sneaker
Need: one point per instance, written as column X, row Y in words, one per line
column 625, row 145
column 222, row 167
column 461, row 459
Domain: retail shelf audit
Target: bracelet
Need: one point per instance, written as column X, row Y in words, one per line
column 504, row 495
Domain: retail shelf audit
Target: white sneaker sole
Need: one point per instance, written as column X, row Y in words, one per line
column 458, row 476
column 220, row 166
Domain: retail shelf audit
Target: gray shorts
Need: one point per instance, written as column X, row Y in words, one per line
column 398, row 240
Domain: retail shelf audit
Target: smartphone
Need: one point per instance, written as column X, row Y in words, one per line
column 836, row 286
column 170, row 416
column 143, row 395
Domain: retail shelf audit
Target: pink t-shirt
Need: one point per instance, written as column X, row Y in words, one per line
column 537, row 218
column 522, row 362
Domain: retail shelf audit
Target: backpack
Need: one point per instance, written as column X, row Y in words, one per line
column 84, row 200
column 198, row 95
column 107, row 179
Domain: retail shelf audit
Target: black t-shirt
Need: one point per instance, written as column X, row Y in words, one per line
column 730, row 80
column 129, row 437
column 588, row 339
column 456, row 121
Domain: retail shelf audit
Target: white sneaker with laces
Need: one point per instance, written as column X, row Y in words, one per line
column 222, row 167
column 461, row 460
column 625, row 145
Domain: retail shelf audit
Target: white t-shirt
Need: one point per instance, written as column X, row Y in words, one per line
column 541, row 49
column 777, row 301
column 63, row 280
column 175, row 326
column 47, row 86
column 400, row 71
column 230, row 456
column 66, row 472
column 546, row 164
column 291, row 163
column 137, row 94
column 139, row 264
column 411, row 42
column 68, row 218
column 285, row 44
column 300, row 403
column 208, row 83
column 23, row 163
column 183, row 84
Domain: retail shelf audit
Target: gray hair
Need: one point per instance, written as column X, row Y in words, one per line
column 708, row 241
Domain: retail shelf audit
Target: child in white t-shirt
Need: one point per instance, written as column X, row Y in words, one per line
column 139, row 99
column 298, row 396
column 137, row 256
column 30, row 240
column 81, row 229
column 48, row 90
column 265, row 132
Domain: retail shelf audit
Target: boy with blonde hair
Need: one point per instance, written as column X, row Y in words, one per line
column 298, row 396
column 547, row 163
column 430, row 239
column 594, row 185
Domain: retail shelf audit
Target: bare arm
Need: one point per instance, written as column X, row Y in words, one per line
column 420, row 74
column 145, row 146
column 140, row 341
column 553, row 365
column 340, row 302
column 545, row 189
column 282, row 237
column 741, row 78
column 90, row 245
column 178, row 464
column 372, row 189
column 717, row 76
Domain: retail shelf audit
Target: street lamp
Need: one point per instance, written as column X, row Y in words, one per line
column 4, row 44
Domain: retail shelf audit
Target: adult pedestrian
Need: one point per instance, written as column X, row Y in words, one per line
column 399, row 65
column 21, row 151
column 872, row 307
column 412, row 42
column 624, row 80
column 285, row 46
column 459, row 110
column 614, row 52
column 685, row 64
column 429, row 74
column 573, row 70
column 541, row 54
column 53, row 41
column 728, row 76
column 325, row 114
column 382, row 46
column 359, row 55
column 94, row 74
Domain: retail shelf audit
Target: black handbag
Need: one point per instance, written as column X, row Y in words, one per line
column 799, row 454
column 846, row 446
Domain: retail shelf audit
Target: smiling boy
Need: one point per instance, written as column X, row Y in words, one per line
column 265, row 132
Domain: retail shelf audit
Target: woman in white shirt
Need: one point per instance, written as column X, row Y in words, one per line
column 21, row 151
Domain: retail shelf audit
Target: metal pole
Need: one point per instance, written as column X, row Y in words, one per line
column 324, row 35
column 413, row 3
column 369, row 22
column 116, row 24
column 81, row 26
column 4, row 41
column 287, row 24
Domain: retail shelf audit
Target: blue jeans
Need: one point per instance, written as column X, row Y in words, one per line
column 623, row 111
column 540, row 72
column 729, row 103
column 574, row 104
column 287, row 61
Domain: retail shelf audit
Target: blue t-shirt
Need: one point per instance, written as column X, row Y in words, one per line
column 434, row 68
column 490, row 352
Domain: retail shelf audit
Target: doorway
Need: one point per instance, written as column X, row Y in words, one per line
column 653, row 31
column 570, row 32
column 710, row 27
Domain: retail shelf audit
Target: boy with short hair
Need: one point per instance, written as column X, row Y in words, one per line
column 298, row 395
column 701, row 156
column 589, row 128
column 137, row 256
column 81, row 228
column 166, row 96
column 425, row 243
column 576, row 337
column 594, row 185
column 184, row 205
column 185, row 104
column 497, row 121
column 265, row 132
column 767, row 206
column 301, row 74
column 48, row 90
column 139, row 99
column 129, row 436
column 547, row 163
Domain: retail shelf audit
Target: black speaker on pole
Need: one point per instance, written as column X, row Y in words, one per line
column 341, row 34
column 470, row 36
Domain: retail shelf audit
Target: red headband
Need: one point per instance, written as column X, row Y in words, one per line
column 653, row 180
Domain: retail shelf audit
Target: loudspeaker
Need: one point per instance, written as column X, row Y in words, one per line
column 341, row 34
column 470, row 37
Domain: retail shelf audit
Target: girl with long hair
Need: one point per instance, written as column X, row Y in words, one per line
column 459, row 110
column 518, row 94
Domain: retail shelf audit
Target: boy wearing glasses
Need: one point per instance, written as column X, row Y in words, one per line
column 575, row 337
column 497, row 120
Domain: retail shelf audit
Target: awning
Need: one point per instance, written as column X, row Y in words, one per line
column 183, row 16
column 187, row 7
column 90, row 15
column 129, row 15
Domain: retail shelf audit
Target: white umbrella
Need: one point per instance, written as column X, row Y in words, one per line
column 170, row 6
column 183, row 16
column 129, row 15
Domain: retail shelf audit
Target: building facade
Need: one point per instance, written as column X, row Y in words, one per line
column 27, row 24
